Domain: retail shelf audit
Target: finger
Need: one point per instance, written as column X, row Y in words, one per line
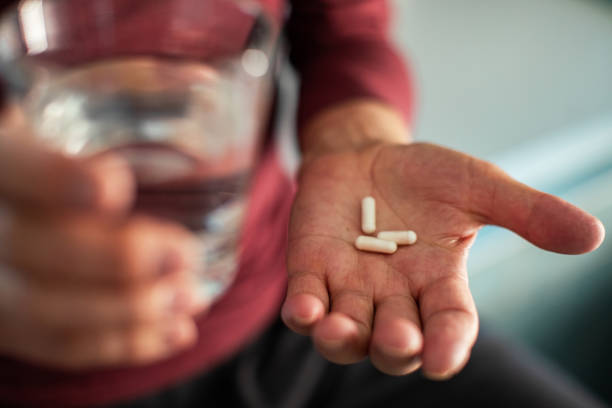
column 545, row 220
column 30, row 173
column 343, row 336
column 81, row 349
column 85, row 250
column 450, row 326
column 396, row 339
column 306, row 302
column 28, row 338
column 307, row 299
column 137, row 345
column 58, row 307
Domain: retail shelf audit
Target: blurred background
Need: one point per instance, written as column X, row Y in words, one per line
column 527, row 85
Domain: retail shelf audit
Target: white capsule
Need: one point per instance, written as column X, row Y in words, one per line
column 368, row 215
column 372, row 244
column 399, row 237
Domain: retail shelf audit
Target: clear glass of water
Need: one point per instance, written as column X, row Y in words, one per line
column 179, row 88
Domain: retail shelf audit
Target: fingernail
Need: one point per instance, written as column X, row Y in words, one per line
column 404, row 340
column 339, row 334
column 301, row 319
column 416, row 361
column 438, row 376
column 400, row 349
column 411, row 365
column 335, row 345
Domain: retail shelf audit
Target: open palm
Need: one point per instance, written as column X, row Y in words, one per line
column 414, row 306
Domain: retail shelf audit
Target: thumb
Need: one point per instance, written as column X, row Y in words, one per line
column 543, row 219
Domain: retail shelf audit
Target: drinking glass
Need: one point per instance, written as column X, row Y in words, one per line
column 179, row 88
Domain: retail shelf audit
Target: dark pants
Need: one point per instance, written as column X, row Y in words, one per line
column 282, row 370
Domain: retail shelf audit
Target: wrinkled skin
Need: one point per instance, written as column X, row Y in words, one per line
column 414, row 307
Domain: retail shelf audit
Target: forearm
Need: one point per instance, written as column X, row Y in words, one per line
column 355, row 88
column 354, row 125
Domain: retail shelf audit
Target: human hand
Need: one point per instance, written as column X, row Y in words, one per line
column 413, row 307
column 82, row 283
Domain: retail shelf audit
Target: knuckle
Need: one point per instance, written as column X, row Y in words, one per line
column 350, row 294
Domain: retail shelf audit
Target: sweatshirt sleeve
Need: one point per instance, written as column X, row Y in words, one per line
column 342, row 51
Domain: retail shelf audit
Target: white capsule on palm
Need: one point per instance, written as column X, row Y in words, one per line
column 368, row 215
column 371, row 244
column 399, row 237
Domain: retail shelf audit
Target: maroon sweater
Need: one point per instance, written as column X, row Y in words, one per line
column 341, row 50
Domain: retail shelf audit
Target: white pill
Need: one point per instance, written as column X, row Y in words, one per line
column 399, row 237
column 368, row 215
column 372, row 244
